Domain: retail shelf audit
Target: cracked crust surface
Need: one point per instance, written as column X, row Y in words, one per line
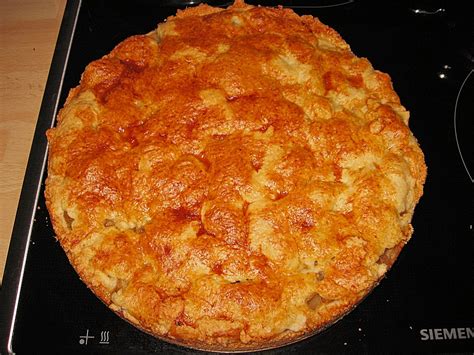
column 235, row 179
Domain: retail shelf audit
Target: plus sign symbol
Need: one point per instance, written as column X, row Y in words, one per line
column 83, row 339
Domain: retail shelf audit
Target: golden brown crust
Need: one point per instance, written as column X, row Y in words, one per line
column 235, row 179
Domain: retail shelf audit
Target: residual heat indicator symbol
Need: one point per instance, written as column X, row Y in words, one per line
column 104, row 337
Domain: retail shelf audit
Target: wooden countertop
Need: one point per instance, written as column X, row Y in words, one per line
column 28, row 33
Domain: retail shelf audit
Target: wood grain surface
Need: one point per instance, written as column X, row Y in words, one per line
column 28, row 33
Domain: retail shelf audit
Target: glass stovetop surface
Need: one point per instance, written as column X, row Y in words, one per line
column 427, row 48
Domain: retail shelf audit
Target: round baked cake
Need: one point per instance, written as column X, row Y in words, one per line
column 236, row 179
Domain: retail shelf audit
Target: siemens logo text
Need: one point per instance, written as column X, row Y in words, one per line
column 447, row 333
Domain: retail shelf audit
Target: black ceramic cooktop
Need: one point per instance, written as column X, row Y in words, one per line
column 425, row 304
